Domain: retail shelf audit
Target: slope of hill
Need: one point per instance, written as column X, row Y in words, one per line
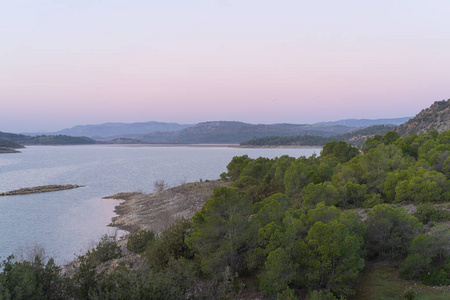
column 366, row 122
column 356, row 138
column 116, row 130
column 237, row 132
column 436, row 117
column 4, row 143
column 46, row 139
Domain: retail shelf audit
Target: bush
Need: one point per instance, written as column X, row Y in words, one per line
column 139, row 240
column 316, row 295
column 428, row 212
column 410, row 294
column 287, row 294
column 33, row 279
column 390, row 231
column 169, row 244
column 105, row 250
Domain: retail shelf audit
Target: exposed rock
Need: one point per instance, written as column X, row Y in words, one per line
column 436, row 117
column 158, row 210
column 41, row 189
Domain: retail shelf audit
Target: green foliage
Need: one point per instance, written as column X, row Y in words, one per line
column 86, row 276
column 428, row 212
column 321, row 295
column 301, row 173
column 287, row 294
column 321, row 192
column 429, row 258
column 105, row 250
column 170, row 244
column 278, row 272
column 390, row 231
column 174, row 282
column 33, row 280
column 331, row 256
column 139, row 239
column 371, row 200
column 221, row 231
column 341, row 150
column 235, row 167
column 410, row 294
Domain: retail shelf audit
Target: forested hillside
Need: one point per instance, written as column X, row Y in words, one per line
column 237, row 132
column 356, row 138
column 285, row 228
column 45, row 139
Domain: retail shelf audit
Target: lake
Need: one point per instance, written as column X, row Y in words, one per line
column 66, row 222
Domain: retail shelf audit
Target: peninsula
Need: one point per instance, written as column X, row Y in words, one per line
column 41, row 189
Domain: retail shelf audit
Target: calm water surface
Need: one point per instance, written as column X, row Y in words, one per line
column 65, row 223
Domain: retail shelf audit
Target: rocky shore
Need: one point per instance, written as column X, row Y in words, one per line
column 41, row 189
column 157, row 211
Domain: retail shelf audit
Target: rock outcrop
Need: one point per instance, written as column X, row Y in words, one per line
column 436, row 117
column 157, row 211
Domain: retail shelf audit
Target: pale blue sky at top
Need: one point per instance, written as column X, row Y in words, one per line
column 64, row 63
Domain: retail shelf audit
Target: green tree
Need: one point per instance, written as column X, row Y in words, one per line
column 169, row 244
column 33, row 280
column 139, row 239
column 321, row 192
column 279, row 272
column 301, row 173
column 389, row 232
column 331, row 257
column 429, row 258
column 221, row 231
column 341, row 150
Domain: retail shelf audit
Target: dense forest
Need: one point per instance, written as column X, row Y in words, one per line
column 290, row 228
column 356, row 138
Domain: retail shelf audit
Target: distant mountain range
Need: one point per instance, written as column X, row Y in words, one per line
column 366, row 122
column 237, row 132
column 436, row 117
column 219, row 132
column 212, row 132
column 111, row 131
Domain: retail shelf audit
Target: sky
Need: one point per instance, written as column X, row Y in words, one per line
column 65, row 63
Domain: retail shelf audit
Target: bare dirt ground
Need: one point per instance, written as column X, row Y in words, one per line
column 158, row 210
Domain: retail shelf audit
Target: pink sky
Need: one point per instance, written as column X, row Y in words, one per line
column 77, row 62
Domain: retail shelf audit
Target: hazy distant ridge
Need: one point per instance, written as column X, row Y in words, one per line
column 121, row 129
column 366, row 122
column 237, row 132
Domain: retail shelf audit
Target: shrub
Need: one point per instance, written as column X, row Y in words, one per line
column 105, row 250
column 139, row 240
column 410, row 294
column 390, row 231
column 428, row 212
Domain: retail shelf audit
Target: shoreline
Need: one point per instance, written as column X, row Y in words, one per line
column 190, row 145
column 157, row 211
column 281, row 147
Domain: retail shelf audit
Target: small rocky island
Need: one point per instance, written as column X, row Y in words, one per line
column 41, row 189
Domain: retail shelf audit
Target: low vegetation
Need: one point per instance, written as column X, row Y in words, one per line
column 285, row 228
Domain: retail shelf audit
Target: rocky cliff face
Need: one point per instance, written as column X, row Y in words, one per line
column 436, row 117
